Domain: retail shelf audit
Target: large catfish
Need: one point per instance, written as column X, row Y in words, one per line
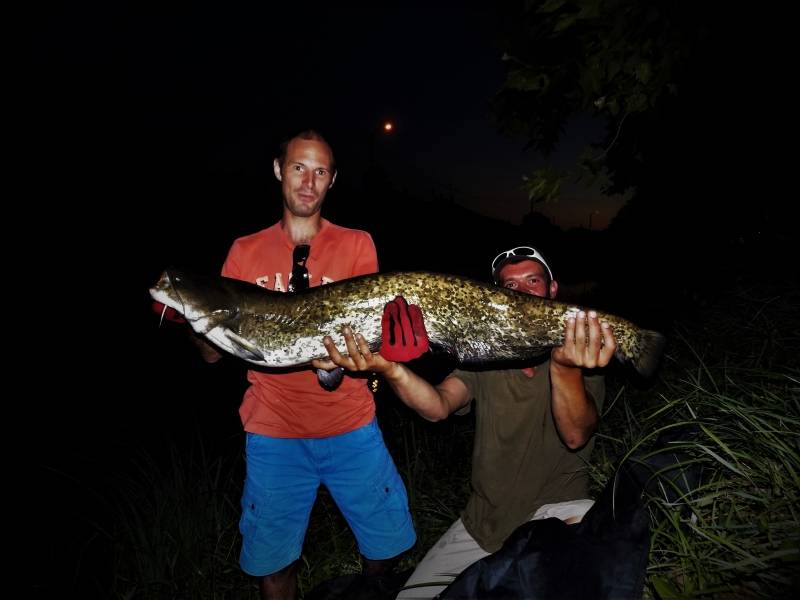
column 472, row 321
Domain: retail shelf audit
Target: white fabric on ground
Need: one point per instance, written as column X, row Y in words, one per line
column 457, row 549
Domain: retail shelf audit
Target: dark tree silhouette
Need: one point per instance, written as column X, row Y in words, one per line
column 689, row 94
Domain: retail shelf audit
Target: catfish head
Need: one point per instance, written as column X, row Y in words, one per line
column 200, row 299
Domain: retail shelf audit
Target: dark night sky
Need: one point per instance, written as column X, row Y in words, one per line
column 139, row 106
column 192, row 89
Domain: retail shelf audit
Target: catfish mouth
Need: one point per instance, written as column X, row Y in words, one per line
column 196, row 298
column 166, row 292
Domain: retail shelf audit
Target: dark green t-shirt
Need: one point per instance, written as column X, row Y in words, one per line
column 519, row 463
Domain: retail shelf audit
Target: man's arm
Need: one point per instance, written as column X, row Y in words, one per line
column 587, row 344
column 433, row 403
column 207, row 352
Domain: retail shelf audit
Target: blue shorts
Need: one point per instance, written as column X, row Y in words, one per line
column 281, row 486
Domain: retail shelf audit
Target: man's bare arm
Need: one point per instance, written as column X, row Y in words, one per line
column 431, row 402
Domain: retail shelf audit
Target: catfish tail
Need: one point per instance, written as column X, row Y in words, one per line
column 649, row 346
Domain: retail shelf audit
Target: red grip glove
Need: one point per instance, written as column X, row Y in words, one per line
column 403, row 335
column 170, row 314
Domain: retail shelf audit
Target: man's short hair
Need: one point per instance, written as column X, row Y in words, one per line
column 306, row 134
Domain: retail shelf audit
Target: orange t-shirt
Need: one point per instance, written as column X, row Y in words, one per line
column 294, row 404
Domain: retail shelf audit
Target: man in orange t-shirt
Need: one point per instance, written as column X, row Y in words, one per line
column 300, row 434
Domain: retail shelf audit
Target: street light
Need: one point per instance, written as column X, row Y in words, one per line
column 387, row 128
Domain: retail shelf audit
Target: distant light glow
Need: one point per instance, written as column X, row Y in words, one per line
column 388, row 126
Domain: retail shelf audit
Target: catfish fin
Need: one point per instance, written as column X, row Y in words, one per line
column 243, row 348
column 330, row 379
column 650, row 346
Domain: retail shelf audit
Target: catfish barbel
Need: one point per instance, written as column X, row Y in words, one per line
column 472, row 321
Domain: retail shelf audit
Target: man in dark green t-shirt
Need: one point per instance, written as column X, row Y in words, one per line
column 533, row 433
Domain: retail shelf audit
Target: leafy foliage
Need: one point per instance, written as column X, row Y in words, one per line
column 612, row 59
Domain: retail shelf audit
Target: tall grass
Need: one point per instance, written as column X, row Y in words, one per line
column 736, row 532
column 175, row 531
column 728, row 388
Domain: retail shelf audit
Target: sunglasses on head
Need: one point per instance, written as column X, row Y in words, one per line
column 522, row 251
column 299, row 278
